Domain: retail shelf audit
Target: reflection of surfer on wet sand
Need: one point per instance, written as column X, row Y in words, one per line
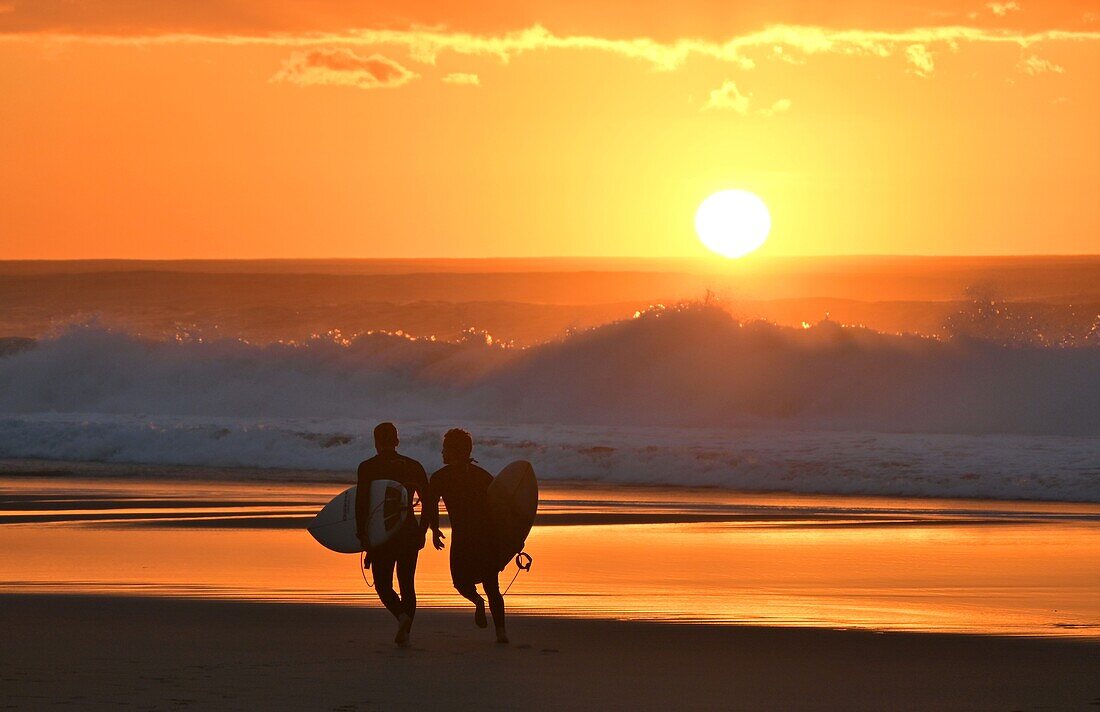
column 489, row 522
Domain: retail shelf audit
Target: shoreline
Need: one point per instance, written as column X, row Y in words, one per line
column 144, row 473
column 109, row 652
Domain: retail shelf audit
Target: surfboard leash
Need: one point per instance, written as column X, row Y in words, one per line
column 363, row 568
column 523, row 563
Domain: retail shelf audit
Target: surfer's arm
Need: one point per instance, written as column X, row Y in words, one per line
column 429, row 507
column 430, row 514
column 420, row 487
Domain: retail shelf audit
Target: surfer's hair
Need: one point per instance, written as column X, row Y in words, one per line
column 385, row 435
column 459, row 442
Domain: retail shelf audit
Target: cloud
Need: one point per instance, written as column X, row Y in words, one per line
column 1001, row 9
column 921, row 59
column 779, row 107
column 797, row 42
column 1034, row 66
column 784, row 56
column 462, row 78
column 729, row 98
column 342, row 67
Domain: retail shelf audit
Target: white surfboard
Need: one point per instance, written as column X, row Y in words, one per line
column 334, row 526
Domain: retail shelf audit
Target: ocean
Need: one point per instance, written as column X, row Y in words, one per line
column 937, row 377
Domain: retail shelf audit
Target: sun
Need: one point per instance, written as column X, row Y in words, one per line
column 733, row 223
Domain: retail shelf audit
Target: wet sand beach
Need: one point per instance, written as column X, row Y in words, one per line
column 666, row 554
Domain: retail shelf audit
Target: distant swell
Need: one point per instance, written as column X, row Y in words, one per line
column 651, row 385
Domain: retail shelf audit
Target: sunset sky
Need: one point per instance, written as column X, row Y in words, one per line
column 247, row 128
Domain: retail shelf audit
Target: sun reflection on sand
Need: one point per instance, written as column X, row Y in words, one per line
column 660, row 554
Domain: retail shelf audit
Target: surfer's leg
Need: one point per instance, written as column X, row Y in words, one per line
column 383, row 585
column 496, row 606
column 469, row 592
column 406, row 579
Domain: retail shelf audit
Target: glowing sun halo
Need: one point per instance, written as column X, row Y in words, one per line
column 733, row 223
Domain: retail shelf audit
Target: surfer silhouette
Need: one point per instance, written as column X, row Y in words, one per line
column 400, row 551
column 463, row 487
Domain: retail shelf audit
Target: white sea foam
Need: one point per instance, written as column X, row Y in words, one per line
column 982, row 466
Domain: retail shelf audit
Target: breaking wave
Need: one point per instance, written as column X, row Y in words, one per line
column 689, row 367
column 678, row 391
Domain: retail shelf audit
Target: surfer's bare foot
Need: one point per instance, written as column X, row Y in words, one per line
column 404, row 625
column 479, row 616
column 502, row 637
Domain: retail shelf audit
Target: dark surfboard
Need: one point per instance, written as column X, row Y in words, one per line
column 513, row 503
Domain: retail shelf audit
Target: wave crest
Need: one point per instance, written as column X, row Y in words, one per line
column 692, row 366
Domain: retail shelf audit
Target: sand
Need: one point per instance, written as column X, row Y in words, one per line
column 92, row 652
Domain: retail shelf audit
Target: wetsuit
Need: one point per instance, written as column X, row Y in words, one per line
column 464, row 491
column 402, row 550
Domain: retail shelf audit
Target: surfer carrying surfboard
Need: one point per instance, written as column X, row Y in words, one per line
column 403, row 548
column 464, row 487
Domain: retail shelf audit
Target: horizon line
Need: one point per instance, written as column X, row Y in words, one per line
column 693, row 258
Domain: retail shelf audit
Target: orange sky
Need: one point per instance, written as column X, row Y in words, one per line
column 247, row 128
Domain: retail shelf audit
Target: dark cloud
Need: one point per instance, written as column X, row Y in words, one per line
column 243, row 17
